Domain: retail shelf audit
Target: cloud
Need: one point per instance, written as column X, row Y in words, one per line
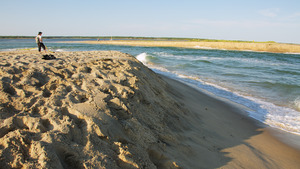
column 294, row 15
column 269, row 12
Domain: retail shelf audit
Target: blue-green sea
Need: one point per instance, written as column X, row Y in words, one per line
column 268, row 84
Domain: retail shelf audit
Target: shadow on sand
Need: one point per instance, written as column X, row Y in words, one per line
column 215, row 128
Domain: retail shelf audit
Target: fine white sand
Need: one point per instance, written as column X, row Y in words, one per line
column 104, row 109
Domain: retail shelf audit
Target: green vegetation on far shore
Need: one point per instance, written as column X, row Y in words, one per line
column 133, row 38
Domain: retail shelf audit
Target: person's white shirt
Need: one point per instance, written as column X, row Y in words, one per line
column 38, row 39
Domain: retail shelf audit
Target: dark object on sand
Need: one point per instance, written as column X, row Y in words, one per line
column 48, row 57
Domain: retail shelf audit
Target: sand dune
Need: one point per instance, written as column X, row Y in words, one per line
column 104, row 109
column 84, row 110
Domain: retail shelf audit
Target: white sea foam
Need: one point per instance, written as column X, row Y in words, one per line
column 168, row 55
column 268, row 113
column 60, row 50
column 244, row 60
column 202, row 47
column 165, row 54
column 297, row 103
column 283, row 118
column 4, row 50
column 15, row 49
column 142, row 57
column 292, row 53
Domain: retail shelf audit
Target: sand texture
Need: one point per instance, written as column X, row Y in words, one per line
column 243, row 46
column 104, row 109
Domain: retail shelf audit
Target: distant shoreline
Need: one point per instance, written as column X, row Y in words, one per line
column 140, row 38
column 225, row 45
column 195, row 43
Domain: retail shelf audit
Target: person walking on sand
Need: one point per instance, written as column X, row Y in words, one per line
column 39, row 42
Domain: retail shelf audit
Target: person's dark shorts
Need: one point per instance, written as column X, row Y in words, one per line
column 40, row 46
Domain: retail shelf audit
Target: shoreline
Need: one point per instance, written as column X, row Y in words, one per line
column 106, row 109
column 255, row 137
column 239, row 46
column 289, row 138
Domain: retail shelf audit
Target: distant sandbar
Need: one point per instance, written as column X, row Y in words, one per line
column 243, row 46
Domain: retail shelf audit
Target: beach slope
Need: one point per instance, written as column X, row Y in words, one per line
column 105, row 109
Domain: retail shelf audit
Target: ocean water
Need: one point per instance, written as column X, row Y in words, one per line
column 268, row 84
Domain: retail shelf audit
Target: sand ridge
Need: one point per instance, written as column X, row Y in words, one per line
column 83, row 110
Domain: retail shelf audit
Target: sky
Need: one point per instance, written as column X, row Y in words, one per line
column 258, row 20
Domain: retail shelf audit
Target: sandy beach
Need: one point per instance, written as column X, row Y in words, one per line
column 243, row 46
column 105, row 109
